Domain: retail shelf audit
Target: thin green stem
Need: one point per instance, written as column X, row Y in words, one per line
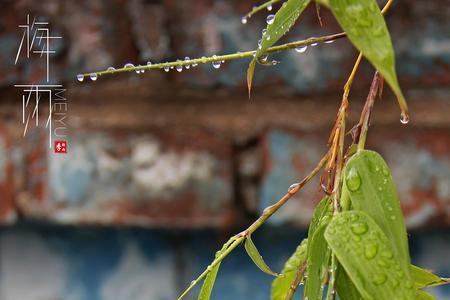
column 260, row 7
column 269, row 211
column 226, row 57
column 296, row 282
column 367, row 111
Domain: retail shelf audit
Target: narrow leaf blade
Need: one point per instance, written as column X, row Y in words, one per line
column 282, row 284
column 250, row 71
column 365, row 27
column 423, row 278
column 253, row 252
column 208, row 284
column 284, row 19
column 369, row 184
column 322, row 209
column 318, row 257
column 366, row 254
column 423, row 295
column 345, row 287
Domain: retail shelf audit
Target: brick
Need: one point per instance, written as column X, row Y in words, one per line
column 167, row 177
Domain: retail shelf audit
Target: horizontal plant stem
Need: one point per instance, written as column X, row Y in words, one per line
column 260, row 7
column 226, row 57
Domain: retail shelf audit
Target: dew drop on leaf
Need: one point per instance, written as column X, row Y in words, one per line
column 270, row 19
column 93, row 76
column 359, row 228
column 353, row 180
column 80, row 77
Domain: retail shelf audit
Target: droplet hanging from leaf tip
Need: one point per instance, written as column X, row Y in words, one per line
column 404, row 118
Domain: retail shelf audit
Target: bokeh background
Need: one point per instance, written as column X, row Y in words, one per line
column 163, row 167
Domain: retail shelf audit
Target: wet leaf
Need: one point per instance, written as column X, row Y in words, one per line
column 365, row 27
column 367, row 256
column 369, row 185
column 282, row 284
column 318, row 257
column 345, row 287
column 253, row 252
column 423, row 295
column 208, row 284
column 322, row 209
column 283, row 21
column 423, row 278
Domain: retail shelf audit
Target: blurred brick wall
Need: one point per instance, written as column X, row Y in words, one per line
column 189, row 150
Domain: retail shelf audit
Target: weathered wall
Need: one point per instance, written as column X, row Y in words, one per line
column 188, row 151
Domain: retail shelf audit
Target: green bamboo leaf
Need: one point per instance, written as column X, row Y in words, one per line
column 345, row 287
column 423, row 278
column 283, row 21
column 318, row 257
column 367, row 256
column 369, row 185
column 322, row 209
column 423, row 295
column 208, row 284
column 282, row 284
column 253, row 252
column 365, row 27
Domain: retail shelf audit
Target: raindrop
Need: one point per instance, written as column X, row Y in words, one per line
column 111, row 69
column 353, row 180
column 128, row 65
column 293, row 186
column 264, row 31
column 268, row 37
column 314, row 44
column 149, row 63
column 179, row 68
column 264, row 58
column 270, row 19
column 244, row 20
column 216, row 64
column 393, row 218
column 359, row 228
column 80, row 77
column 187, row 59
column 379, row 279
column 387, row 254
column 269, row 7
column 166, row 68
column 385, row 171
column 301, row 49
column 329, row 42
column 404, row 118
column 371, row 250
column 93, row 76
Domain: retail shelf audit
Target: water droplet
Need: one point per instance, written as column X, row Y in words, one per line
column 359, row 228
column 371, row 250
column 216, row 64
column 111, row 69
column 264, row 31
column 393, row 218
column 269, row 7
column 293, row 186
column 383, row 263
column 80, row 77
column 404, row 118
column 244, row 20
column 329, row 42
column 179, row 68
column 385, row 171
column 380, row 188
column 264, row 58
column 301, row 49
column 128, row 65
column 192, row 282
column 166, row 68
column 314, row 44
column 270, row 19
column 187, row 59
column 149, row 63
column 353, row 180
column 379, row 278
column 93, row 76
column 268, row 37
column 354, row 217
